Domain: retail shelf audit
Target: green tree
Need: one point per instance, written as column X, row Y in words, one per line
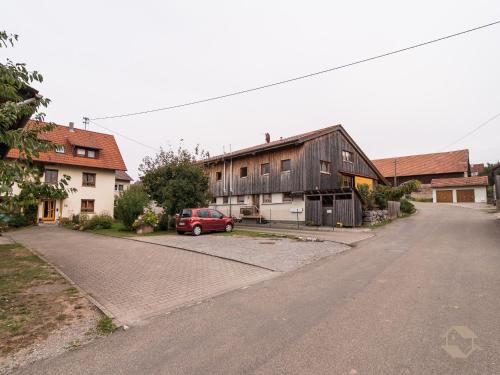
column 488, row 171
column 18, row 103
column 130, row 204
column 175, row 180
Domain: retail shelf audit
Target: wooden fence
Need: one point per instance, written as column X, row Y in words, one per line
column 394, row 209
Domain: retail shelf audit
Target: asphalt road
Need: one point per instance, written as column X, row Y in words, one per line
column 380, row 308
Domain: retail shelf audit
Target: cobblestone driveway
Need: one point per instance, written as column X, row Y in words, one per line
column 135, row 280
column 277, row 254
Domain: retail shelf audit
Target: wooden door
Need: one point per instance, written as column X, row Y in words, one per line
column 465, row 195
column 48, row 210
column 444, row 196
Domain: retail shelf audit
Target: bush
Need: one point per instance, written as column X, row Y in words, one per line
column 407, row 207
column 131, row 204
column 163, row 222
column 99, row 222
column 147, row 218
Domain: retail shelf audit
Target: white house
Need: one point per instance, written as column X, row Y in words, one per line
column 459, row 190
column 91, row 159
column 122, row 182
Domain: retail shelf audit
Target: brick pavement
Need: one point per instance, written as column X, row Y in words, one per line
column 135, row 280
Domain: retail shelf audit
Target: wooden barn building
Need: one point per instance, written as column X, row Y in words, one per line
column 309, row 178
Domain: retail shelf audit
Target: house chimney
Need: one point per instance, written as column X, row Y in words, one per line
column 71, row 126
column 268, row 137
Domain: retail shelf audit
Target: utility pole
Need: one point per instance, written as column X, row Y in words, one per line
column 85, row 122
column 395, row 173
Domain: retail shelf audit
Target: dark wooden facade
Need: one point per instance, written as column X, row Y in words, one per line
column 304, row 177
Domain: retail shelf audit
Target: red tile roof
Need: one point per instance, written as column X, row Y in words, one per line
column 425, row 164
column 122, row 175
column 460, row 181
column 109, row 153
column 477, row 168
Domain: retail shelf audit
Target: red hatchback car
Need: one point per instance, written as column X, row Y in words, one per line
column 201, row 220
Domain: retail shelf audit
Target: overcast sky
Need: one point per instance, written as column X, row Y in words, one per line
column 109, row 57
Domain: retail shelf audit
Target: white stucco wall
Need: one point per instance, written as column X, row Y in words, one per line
column 275, row 211
column 479, row 193
column 102, row 193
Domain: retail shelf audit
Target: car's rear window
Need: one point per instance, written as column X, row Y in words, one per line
column 186, row 213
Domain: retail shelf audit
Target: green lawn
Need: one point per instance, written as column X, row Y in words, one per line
column 34, row 299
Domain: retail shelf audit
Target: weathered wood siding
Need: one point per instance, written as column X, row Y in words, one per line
column 305, row 174
column 329, row 148
column 255, row 183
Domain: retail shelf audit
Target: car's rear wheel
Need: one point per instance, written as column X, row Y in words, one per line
column 197, row 230
column 180, row 232
column 229, row 227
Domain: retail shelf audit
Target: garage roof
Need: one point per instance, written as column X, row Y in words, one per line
column 459, row 181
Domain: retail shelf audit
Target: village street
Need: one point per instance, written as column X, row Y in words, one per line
column 381, row 307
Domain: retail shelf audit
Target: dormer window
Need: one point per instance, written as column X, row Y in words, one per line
column 60, row 149
column 86, row 153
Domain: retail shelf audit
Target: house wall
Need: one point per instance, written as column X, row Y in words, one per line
column 479, row 193
column 102, row 193
column 305, row 174
column 275, row 211
column 125, row 183
column 329, row 148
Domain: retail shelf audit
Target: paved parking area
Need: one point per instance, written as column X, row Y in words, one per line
column 136, row 280
column 277, row 254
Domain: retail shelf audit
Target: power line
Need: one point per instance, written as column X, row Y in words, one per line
column 473, row 130
column 126, row 137
column 299, row 77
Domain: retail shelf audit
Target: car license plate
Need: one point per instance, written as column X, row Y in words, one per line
column 181, row 223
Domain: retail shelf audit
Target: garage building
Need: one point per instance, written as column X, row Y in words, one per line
column 459, row 190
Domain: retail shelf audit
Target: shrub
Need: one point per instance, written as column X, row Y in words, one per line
column 163, row 222
column 99, row 222
column 131, row 204
column 407, row 207
column 148, row 218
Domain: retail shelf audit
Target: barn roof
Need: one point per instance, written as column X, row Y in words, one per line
column 293, row 141
column 425, row 164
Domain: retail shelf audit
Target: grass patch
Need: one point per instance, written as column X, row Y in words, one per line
column 106, row 326
column 33, row 299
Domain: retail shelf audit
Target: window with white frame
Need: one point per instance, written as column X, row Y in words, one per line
column 325, row 167
column 287, row 197
column 267, row 198
column 347, row 156
column 60, row 149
